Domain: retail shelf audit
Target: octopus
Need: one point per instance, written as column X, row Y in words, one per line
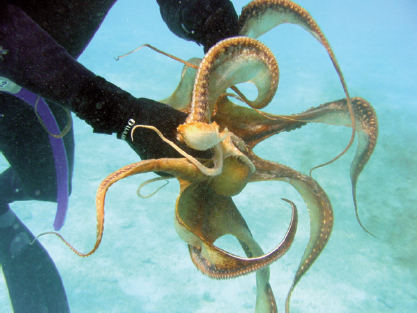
column 204, row 209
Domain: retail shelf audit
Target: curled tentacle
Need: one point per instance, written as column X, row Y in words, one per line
column 203, row 216
column 260, row 16
column 232, row 61
column 149, row 182
column 67, row 127
column 318, row 204
column 220, row 264
column 337, row 113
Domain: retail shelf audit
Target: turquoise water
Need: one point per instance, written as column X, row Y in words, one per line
column 143, row 266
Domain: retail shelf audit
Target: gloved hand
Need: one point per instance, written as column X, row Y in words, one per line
column 146, row 142
column 109, row 109
column 203, row 21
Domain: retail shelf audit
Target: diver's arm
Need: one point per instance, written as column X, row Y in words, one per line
column 36, row 62
column 203, row 21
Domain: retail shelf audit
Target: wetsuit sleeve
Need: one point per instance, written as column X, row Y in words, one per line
column 36, row 62
column 203, row 21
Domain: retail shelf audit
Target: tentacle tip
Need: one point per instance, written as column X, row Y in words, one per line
column 368, row 231
column 116, row 58
column 359, row 220
column 36, row 238
column 293, row 208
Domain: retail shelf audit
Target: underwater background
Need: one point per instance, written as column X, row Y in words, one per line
column 143, row 266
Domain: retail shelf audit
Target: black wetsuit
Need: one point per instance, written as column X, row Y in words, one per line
column 40, row 41
column 49, row 36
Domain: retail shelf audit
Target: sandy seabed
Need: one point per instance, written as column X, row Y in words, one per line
column 143, row 266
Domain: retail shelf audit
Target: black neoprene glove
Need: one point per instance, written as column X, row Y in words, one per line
column 146, row 142
column 109, row 109
column 203, row 21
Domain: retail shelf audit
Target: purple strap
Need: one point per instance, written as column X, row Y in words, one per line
column 58, row 149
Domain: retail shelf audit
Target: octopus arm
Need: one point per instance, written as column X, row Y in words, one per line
column 232, row 61
column 252, row 126
column 181, row 98
column 265, row 299
column 208, row 216
column 337, row 113
column 221, row 264
column 319, row 208
column 174, row 167
column 260, row 16
column 202, row 216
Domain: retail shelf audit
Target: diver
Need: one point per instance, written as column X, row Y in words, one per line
column 40, row 80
